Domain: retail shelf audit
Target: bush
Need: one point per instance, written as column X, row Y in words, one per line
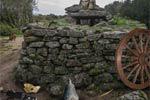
column 6, row 30
column 126, row 22
column 61, row 22
column 119, row 21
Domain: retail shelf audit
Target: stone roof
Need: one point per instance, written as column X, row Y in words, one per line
column 88, row 13
column 77, row 8
column 75, row 11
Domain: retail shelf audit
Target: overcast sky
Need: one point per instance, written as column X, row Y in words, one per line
column 57, row 6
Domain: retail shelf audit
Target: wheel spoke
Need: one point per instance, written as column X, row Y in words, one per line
column 133, row 63
column 131, row 50
column 129, row 57
column 125, row 56
column 141, row 42
column 132, row 71
column 134, row 59
column 142, row 75
column 146, row 45
column 147, row 73
column 136, row 75
column 136, row 45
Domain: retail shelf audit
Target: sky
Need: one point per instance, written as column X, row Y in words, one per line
column 57, row 6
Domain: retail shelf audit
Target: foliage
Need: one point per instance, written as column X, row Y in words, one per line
column 16, row 12
column 141, row 11
column 40, row 17
column 133, row 9
column 119, row 21
column 114, row 7
column 57, row 22
column 7, row 30
column 62, row 22
column 116, row 24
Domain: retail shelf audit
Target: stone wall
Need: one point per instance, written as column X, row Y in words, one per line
column 50, row 56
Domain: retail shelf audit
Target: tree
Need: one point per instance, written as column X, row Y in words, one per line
column 114, row 8
column 126, row 9
column 141, row 11
column 16, row 12
column 133, row 9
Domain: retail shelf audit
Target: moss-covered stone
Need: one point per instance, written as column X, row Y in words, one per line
column 35, row 69
column 60, row 70
column 94, row 71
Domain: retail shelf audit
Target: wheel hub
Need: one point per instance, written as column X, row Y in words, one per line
column 143, row 59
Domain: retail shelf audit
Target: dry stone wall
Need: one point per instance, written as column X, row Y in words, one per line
column 50, row 56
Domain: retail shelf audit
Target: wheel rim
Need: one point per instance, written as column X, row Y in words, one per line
column 133, row 59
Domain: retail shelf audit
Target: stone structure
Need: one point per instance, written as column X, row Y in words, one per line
column 87, row 13
column 50, row 57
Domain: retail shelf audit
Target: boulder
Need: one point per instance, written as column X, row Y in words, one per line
column 135, row 95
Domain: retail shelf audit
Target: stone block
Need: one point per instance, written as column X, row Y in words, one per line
column 60, row 70
column 135, row 95
column 38, row 32
column 67, row 46
column 31, row 39
column 73, row 63
column 35, row 69
column 81, row 80
column 53, row 44
column 104, row 78
column 83, row 45
column 42, row 51
column 56, row 90
column 94, row 37
column 63, row 40
column 26, row 60
column 36, row 44
column 73, row 40
column 31, row 50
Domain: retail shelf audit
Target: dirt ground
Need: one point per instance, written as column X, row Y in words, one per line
column 9, row 55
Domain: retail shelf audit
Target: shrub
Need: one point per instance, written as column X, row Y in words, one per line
column 119, row 21
column 61, row 22
column 126, row 22
column 6, row 30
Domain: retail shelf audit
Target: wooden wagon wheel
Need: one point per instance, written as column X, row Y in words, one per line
column 133, row 59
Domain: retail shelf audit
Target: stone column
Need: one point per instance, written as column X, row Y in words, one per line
column 84, row 4
column 92, row 4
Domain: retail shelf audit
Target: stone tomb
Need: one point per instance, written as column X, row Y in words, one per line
column 87, row 13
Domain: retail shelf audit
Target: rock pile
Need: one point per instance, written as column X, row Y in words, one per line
column 50, row 56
